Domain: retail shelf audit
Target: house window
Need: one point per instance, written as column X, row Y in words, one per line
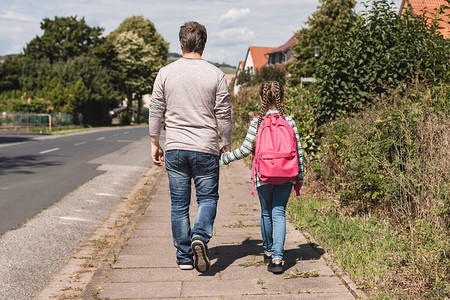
column 289, row 54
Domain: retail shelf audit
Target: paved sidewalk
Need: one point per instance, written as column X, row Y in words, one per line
column 146, row 267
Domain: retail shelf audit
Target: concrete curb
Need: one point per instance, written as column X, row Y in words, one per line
column 78, row 270
column 91, row 289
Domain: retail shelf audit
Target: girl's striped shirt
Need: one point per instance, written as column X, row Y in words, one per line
column 246, row 148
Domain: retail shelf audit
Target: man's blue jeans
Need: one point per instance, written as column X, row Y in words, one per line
column 183, row 166
column 273, row 199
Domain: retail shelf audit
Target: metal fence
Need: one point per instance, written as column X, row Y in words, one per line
column 29, row 122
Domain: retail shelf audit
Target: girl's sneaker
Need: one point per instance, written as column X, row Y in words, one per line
column 276, row 265
column 186, row 265
column 267, row 257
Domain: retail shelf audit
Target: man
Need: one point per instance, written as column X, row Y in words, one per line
column 194, row 95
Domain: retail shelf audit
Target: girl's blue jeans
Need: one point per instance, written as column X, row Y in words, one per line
column 183, row 166
column 273, row 199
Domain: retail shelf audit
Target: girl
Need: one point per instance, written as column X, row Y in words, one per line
column 273, row 197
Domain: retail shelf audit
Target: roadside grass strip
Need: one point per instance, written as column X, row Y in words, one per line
column 369, row 251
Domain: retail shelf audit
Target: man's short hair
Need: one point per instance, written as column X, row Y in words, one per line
column 192, row 37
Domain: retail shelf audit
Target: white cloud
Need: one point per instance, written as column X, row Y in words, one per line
column 235, row 35
column 234, row 15
column 10, row 15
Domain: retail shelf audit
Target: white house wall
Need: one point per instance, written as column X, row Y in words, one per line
column 248, row 65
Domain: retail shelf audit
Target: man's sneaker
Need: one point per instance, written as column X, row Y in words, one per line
column 201, row 259
column 275, row 266
column 185, row 265
column 267, row 257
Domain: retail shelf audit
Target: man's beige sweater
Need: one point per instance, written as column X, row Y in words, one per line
column 194, row 95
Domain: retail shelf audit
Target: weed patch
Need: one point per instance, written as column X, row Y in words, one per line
column 376, row 255
column 298, row 274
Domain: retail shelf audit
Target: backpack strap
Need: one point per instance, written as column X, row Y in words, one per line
column 253, row 175
column 254, row 158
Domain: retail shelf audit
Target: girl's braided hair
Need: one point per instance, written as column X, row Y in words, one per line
column 271, row 92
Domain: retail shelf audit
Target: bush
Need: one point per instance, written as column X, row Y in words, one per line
column 382, row 52
column 393, row 160
column 245, row 105
column 272, row 73
column 389, row 152
column 300, row 103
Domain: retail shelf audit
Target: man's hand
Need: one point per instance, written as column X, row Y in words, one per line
column 157, row 151
column 226, row 148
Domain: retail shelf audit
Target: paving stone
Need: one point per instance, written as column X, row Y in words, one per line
column 154, row 225
column 306, row 266
column 142, row 290
column 157, row 243
column 227, row 231
column 304, row 285
column 145, row 250
column 160, row 275
column 234, row 239
column 161, row 221
column 153, row 232
column 146, row 261
column 222, row 288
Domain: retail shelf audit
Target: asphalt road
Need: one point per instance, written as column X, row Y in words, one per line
column 54, row 192
column 35, row 172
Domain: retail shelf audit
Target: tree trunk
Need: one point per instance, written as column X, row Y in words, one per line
column 139, row 109
column 129, row 105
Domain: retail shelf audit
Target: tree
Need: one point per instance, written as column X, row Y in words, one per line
column 64, row 38
column 35, row 74
column 331, row 16
column 10, row 71
column 76, row 96
column 140, row 52
column 92, row 87
column 56, row 93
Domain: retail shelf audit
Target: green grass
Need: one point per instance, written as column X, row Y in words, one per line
column 368, row 250
column 228, row 70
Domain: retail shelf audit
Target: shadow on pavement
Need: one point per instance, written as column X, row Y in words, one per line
column 227, row 254
column 14, row 139
column 14, row 164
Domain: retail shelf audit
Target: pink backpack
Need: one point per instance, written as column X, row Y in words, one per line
column 276, row 158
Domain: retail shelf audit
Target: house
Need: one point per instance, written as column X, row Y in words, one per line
column 117, row 113
column 255, row 59
column 282, row 54
column 239, row 70
column 418, row 7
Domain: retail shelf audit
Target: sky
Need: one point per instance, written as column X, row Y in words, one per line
column 232, row 25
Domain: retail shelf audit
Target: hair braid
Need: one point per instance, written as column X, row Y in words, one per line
column 264, row 93
column 278, row 92
column 271, row 92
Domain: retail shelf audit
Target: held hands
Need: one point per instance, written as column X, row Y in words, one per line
column 226, row 148
column 223, row 157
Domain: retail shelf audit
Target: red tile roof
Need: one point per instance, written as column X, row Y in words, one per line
column 420, row 6
column 258, row 56
column 286, row 46
column 241, row 64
